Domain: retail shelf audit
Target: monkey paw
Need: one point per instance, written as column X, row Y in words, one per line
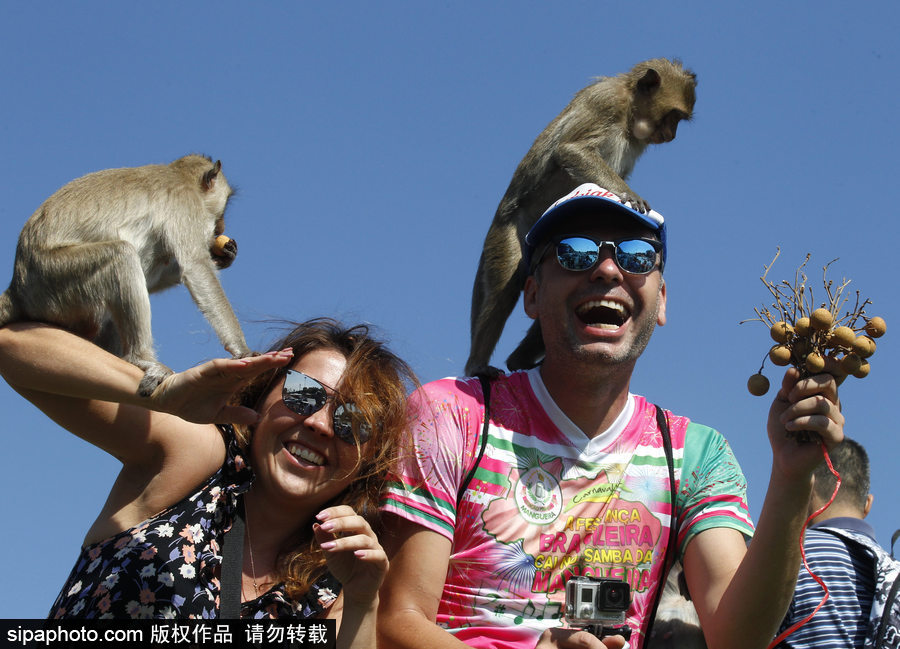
column 524, row 359
column 223, row 251
column 487, row 371
column 636, row 201
column 154, row 374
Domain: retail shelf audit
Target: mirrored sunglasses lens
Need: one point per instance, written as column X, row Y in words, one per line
column 636, row 256
column 346, row 417
column 302, row 394
column 577, row 253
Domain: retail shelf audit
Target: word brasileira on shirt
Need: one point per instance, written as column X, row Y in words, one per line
column 617, row 547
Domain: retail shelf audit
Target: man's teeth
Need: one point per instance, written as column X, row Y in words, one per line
column 603, row 314
column 305, row 454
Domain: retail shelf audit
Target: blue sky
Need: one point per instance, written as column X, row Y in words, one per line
column 370, row 144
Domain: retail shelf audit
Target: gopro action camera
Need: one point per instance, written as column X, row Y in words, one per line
column 598, row 605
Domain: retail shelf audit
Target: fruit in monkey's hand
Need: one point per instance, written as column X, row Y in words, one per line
column 224, row 250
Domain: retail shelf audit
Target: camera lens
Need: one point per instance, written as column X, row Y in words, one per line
column 615, row 596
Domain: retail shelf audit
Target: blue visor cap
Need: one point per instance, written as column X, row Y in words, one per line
column 589, row 198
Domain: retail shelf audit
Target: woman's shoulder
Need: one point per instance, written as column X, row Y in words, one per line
column 165, row 566
column 172, row 471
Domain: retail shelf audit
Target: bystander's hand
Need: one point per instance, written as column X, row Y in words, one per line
column 559, row 638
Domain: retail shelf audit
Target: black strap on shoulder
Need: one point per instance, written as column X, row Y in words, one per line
column 486, row 389
column 889, row 603
column 885, row 616
column 232, row 566
column 662, row 423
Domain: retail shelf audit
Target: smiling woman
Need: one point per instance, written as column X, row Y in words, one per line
column 289, row 449
column 332, row 456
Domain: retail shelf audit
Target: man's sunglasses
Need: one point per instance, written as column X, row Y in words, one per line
column 305, row 396
column 634, row 256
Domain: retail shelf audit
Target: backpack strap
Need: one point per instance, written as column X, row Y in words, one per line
column 883, row 617
column 889, row 603
column 883, row 625
column 232, row 565
column 662, row 422
column 486, row 390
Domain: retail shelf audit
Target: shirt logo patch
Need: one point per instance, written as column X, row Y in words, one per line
column 538, row 497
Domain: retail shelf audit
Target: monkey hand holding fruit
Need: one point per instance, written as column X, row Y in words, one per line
column 224, row 250
column 88, row 258
column 597, row 138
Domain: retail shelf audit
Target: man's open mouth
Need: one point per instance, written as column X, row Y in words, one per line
column 602, row 314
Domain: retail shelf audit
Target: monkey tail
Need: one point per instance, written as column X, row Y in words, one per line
column 8, row 310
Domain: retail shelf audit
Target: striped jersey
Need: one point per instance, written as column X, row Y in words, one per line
column 546, row 502
column 842, row 621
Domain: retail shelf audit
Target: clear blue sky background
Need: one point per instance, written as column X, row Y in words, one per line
column 371, row 142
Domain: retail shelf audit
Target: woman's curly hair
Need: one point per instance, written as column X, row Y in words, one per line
column 377, row 382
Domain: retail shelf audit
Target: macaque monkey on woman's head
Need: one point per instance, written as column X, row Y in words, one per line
column 88, row 258
column 597, row 138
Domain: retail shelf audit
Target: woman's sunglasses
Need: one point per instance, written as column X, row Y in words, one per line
column 304, row 395
column 634, row 256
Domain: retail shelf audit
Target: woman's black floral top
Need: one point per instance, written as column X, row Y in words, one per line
column 165, row 567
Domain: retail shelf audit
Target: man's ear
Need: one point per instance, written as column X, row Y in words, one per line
column 661, row 313
column 529, row 297
column 868, row 505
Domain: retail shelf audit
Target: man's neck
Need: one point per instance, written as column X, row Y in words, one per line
column 591, row 399
column 837, row 510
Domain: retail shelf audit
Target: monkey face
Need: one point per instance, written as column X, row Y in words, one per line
column 298, row 459
column 658, row 131
column 667, row 127
column 601, row 313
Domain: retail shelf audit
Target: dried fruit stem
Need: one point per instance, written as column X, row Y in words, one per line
column 807, row 347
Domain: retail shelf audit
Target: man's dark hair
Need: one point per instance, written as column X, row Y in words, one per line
column 849, row 459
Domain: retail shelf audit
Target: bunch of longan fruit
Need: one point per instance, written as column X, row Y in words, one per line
column 806, row 337
column 806, row 343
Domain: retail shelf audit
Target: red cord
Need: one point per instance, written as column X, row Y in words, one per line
column 799, row 624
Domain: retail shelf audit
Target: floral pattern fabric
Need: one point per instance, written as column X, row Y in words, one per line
column 166, row 566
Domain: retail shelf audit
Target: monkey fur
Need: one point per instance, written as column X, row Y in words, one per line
column 91, row 254
column 597, row 138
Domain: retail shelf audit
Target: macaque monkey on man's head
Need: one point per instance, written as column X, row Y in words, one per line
column 597, row 138
column 88, row 258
